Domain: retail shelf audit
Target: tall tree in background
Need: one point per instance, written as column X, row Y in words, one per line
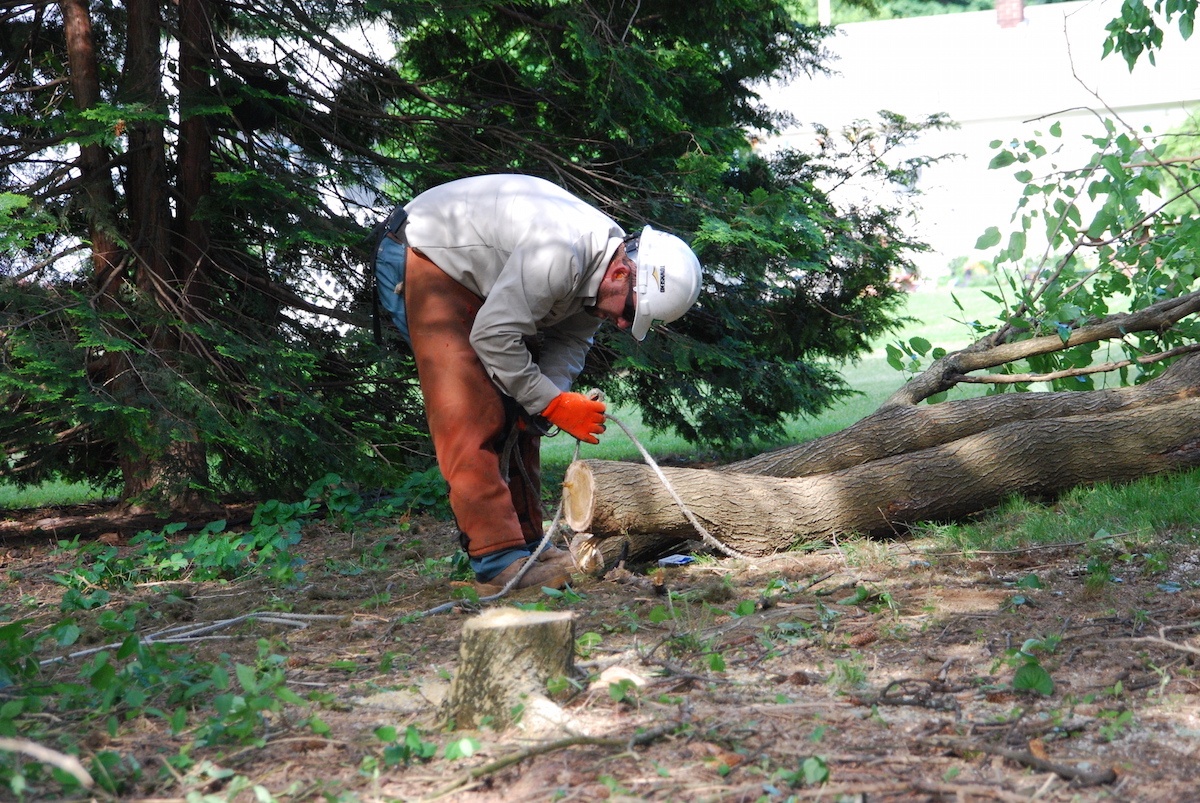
column 187, row 190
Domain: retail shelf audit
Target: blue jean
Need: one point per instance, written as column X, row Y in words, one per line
column 390, row 261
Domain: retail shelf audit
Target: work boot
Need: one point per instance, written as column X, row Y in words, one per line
column 550, row 574
column 552, row 554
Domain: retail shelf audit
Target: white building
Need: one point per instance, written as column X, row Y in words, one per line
column 1001, row 75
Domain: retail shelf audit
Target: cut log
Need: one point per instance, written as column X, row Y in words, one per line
column 759, row 515
column 506, row 656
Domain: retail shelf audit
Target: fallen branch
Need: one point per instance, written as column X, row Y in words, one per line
column 192, row 632
column 504, row 762
column 64, row 762
column 1028, row 759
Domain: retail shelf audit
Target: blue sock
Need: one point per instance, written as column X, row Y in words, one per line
column 490, row 565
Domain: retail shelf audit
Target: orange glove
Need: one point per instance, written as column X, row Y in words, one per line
column 577, row 415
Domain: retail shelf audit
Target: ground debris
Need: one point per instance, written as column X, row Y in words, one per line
column 889, row 686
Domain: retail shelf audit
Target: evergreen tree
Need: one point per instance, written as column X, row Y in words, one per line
column 188, row 188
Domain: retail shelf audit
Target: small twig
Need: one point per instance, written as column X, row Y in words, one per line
column 1162, row 642
column 504, row 762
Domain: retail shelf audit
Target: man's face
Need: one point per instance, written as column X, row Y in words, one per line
column 616, row 301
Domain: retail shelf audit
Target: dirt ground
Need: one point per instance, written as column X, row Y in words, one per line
column 853, row 672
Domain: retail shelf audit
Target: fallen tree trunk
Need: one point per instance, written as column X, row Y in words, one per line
column 89, row 521
column 758, row 515
column 897, row 429
column 907, row 462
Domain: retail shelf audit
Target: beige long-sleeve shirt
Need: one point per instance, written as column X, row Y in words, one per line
column 536, row 255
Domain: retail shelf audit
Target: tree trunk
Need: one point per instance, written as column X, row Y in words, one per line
column 757, row 515
column 897, row 429
column 168, row 474
column 94, row 160
column 505, row 656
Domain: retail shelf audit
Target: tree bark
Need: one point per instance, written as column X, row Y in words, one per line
column 94, row 159
column 90, row 521
column 166, row 476
column 757, row 515
column 897, row 429
column 506, row 655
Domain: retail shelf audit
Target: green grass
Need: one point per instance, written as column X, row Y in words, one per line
column 1137, row 516
column 48, row 494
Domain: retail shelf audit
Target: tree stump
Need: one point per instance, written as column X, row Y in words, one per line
column 505, row 656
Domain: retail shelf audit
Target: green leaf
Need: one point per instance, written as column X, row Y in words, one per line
column 179, row 720
column 895, row 357
column 1016, row 247
column 462, row 748
column 247, row 678
column 1032, row 676
column 1030, row 581
column 1002, row 159
column 128, row 647
column 66, row 633
column 989, row 239
column 814, row 771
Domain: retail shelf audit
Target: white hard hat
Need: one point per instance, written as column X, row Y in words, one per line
column 668, row 279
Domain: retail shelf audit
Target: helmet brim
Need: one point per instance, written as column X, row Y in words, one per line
column 642, row 320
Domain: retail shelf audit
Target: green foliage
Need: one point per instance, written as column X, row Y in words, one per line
column 1136, row 31
column 813, row 771
column 794, row 281
column 406, row 748
column 115, row 686
column 1030, row 675
column 203, row 366
column 210, row 554
column 19, row 224
column 1122, row 234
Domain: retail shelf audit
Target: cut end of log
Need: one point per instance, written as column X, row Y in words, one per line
column 578, row 490
column 504, row 618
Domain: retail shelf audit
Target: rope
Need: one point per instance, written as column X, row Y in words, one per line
column 507, row 451
column 708, row 537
